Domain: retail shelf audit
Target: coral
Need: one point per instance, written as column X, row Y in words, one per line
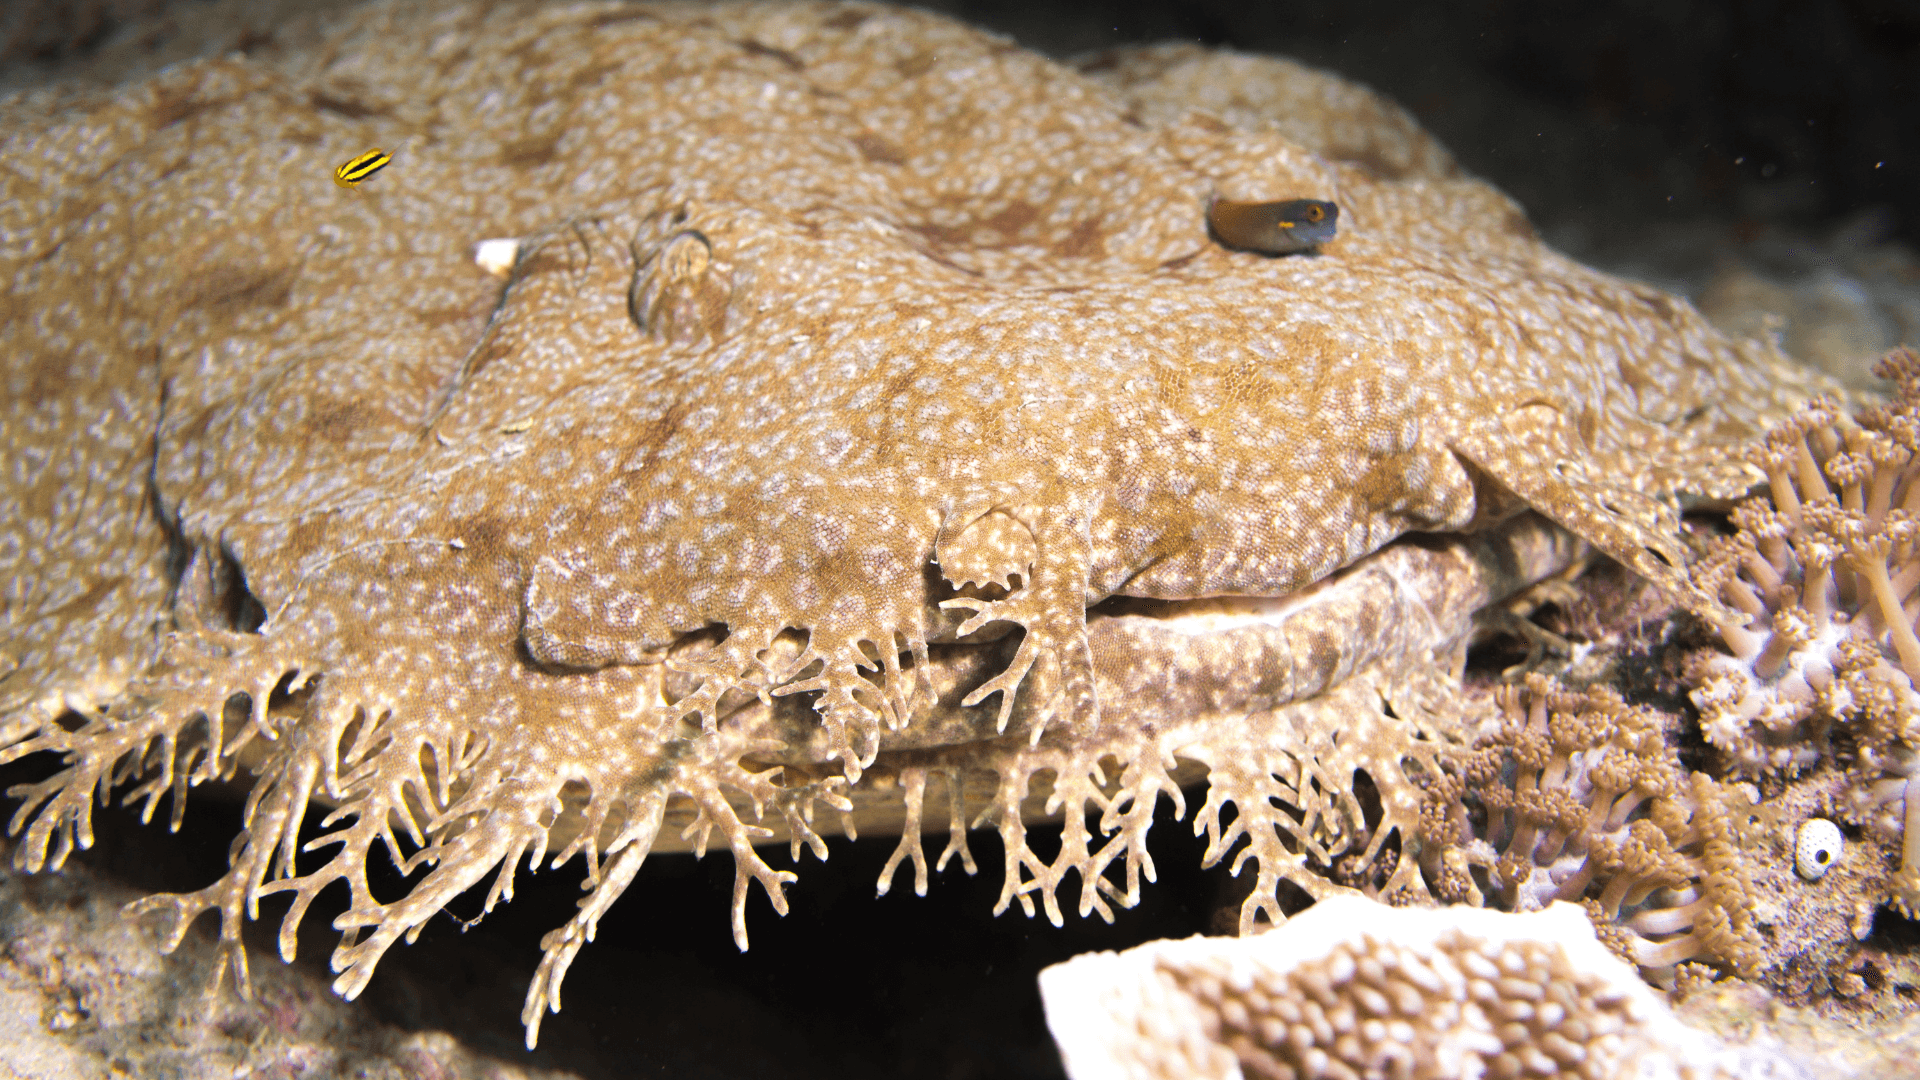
column 848, row 361
column 1824, row 565
column 1578, row 797
column 1353, row 988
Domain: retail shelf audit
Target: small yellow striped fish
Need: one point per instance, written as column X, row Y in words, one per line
column 358, row 169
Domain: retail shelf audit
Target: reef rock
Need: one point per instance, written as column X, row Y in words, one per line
column 84, row 992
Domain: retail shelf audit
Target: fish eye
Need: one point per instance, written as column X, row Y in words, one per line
column 1314, row 213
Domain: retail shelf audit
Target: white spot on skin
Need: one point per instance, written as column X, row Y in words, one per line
column 1817, row 848
column 496, row 256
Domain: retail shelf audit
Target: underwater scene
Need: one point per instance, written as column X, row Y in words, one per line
column 715, row 539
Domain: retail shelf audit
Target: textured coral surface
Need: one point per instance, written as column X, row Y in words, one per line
column 1353, row 988
column 849, row 361
column 1578, row 797
column 1826, row 563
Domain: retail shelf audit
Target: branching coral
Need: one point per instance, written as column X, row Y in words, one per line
column 1353, row 988
column 1826, row 565
column 1579, row 797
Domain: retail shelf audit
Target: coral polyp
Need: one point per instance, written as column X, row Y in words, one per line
column 1578, row 796
column 1826, row 565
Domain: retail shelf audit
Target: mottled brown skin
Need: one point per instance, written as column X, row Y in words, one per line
column 1273, row 228
column 837, row 335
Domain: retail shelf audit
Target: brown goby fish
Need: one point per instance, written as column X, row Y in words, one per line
column 1273, row 228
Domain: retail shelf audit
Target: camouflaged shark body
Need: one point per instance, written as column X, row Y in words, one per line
column 846, row 359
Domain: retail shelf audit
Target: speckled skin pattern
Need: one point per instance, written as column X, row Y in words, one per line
column 835, row 334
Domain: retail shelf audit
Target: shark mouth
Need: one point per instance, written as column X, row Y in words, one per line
column 1159, row 663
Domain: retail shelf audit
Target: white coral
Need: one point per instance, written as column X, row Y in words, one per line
column 1823, row 565
column 1826, row 567
column 1355, row 988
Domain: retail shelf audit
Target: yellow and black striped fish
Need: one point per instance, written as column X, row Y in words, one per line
column 358, row 169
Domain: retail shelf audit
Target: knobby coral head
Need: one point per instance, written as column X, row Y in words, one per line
column 847, row 360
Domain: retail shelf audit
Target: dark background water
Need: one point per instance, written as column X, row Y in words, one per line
column 1602, row 116
column 1628, row 113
